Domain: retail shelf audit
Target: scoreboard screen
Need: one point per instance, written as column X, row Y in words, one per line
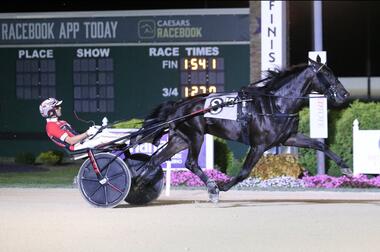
column 200, row 75
column 115, row 64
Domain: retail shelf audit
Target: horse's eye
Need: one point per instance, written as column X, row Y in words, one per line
column 327, row 74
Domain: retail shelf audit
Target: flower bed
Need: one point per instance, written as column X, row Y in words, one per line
column 187, row 178
column 325, row 181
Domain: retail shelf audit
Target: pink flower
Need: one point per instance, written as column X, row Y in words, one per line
column 188, row 178
column 325, row 181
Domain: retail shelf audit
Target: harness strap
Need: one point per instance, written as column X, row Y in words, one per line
column 265, row 114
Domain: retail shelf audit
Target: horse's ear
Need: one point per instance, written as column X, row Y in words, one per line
column 313, row 62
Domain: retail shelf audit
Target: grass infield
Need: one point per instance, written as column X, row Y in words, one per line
column 16, row 175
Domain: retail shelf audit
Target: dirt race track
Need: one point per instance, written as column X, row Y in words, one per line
column 60, row 220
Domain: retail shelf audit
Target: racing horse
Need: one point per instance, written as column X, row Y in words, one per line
column 271, row 120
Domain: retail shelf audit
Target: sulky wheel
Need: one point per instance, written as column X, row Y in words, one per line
column 114, row 184
column 151, row 191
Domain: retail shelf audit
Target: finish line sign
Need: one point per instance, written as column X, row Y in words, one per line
column 318, row 116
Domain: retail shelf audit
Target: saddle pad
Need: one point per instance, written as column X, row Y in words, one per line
column 227, row 112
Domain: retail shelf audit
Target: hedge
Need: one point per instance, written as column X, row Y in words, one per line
column 340, row 133
column 369, row 118
column 223, row 156
column 50, row 157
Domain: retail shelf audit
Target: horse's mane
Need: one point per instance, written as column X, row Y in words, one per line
column 160, row 113
column 277, row 78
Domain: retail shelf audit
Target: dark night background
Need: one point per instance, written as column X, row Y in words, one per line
column 351, row 28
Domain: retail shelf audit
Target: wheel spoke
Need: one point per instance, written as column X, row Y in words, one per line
column 90, row 179
column 115, row 188
column 116, row 175
column 105, row 168
column 97, row 189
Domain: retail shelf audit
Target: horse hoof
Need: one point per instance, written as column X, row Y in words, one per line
column 213, row 191
column 214, row 197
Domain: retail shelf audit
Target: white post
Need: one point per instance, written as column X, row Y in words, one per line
column 209, row 141
column 168, row 177
column 355, row 131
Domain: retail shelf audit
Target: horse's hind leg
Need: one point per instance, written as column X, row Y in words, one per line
column 300, row 140
column 192, row 164
column 252, row 158
column 175, row 145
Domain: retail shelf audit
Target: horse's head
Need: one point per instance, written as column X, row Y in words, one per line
column 325, row 82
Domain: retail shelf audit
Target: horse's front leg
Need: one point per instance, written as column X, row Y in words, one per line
column 193, row 166
column 252, row 158
column 302, row 141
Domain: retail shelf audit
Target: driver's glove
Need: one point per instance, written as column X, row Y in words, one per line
column 92, row 131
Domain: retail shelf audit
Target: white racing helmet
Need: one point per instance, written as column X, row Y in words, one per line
column 47, row 107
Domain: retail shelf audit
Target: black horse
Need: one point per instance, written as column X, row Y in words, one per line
column 271, row 120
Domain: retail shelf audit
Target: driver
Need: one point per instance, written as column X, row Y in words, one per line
column 61, row 133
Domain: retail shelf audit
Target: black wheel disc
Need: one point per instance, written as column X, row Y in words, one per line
column 151, row 191
column 115, row 186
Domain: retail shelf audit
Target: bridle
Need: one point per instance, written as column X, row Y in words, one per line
column 331, row 90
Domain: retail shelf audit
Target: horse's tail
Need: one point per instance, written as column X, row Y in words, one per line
column 160, row 114
column 154, row 124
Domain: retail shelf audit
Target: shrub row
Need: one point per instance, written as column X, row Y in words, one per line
column 50, row 157
column 340, row 133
